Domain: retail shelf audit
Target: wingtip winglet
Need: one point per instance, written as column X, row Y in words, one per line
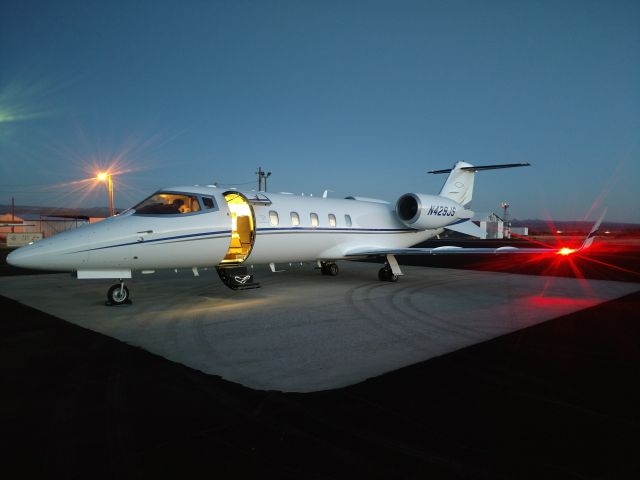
column 594, row 230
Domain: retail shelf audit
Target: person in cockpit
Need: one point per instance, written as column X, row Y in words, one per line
column 178, row 206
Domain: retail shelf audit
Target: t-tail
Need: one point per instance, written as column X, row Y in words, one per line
column 459, row 184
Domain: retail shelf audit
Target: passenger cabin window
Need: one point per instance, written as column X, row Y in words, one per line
column 295, row 219
column 314, row 220
column 332, row 220
column 273, row 217
column 208, row 202
column 347, row 220
column 168, row 204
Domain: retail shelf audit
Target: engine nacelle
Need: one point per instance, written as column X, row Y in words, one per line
column 424, row 212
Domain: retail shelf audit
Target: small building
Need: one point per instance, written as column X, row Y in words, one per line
column 493, row 226
column 39, row 224
column 9, row 218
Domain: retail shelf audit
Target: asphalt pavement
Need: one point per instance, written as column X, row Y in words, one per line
column 558, row 399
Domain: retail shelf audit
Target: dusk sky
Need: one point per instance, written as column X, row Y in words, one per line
column 357, row 97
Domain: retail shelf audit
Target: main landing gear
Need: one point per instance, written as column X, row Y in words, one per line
column 118, row 294
column 386, row 274
column 329, row 268
column 391, row 270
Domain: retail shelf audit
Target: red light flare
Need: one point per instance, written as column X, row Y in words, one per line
column 603, row 260
column 559, row 262
column 568, row 245
column 620, row 256
column 541, row 301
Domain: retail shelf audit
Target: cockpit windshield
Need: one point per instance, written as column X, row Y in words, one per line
column 167, row 203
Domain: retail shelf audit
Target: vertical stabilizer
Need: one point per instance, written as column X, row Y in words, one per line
column 459, row 184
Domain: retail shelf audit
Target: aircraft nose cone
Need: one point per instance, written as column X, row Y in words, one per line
column 24, row 257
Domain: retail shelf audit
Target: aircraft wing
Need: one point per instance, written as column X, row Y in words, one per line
column 448, row 250
column 451, row 250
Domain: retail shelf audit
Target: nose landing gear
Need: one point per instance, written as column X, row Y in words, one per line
column 329, row 268
column 118, row 294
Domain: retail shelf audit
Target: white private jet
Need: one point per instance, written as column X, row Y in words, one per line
column 203, row 226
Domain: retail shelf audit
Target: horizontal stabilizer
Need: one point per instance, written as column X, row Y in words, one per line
column 468, row 228
column 475, row 168
column 459, row 183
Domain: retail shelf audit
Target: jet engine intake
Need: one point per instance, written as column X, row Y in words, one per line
column 424, row 212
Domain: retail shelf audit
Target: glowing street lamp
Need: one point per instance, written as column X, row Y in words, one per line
column 105, row 176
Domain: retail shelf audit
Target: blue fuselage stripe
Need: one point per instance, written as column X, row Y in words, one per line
column 269, row 230
column 202, row 236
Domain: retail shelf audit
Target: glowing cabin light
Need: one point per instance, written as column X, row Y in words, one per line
column 566, row 251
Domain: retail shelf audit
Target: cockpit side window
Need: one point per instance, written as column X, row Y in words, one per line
column 208, row 202
column 168, row 203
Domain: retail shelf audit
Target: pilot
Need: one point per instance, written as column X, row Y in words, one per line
column 178, row 206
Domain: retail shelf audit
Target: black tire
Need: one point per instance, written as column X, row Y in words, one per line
column 118, row 296
column 387, row 275
column 383, row 274
column 332, row 269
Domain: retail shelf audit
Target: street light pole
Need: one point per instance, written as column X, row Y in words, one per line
column 110, row 184
column 106, row 177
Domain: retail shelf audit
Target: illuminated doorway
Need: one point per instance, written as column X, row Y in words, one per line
column 243, row 230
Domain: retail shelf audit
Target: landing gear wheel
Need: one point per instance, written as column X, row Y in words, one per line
column 118, row 294
column 386, row 275
column 330, row 269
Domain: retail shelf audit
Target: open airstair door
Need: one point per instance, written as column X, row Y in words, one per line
column 243, row 234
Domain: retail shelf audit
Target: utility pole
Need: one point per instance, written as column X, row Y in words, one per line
column 13, row 213
column 262, row 179
column 506, row 226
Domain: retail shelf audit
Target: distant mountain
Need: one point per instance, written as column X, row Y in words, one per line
column 577, row 227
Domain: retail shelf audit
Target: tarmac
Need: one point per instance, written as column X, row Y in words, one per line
column 557, row 399
column 305, row 332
